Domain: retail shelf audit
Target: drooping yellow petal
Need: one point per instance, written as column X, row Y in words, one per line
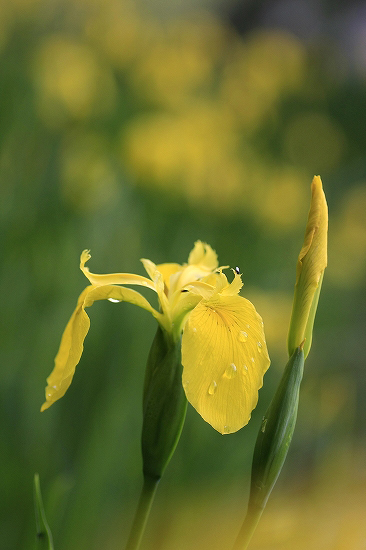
column 112, row 278
column 224, row 358
column 72, row 341
column 310, row 268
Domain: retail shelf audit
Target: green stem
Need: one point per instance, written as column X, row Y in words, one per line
column 44, row 535
column 142, row 513
column 247, row 529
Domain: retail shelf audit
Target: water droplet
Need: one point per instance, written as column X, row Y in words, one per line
column 113, row 300
column 212, row 387
column 230, row 372
column 194, row 329
column 252, row 359
column 262, row 323
column 245, row 367
column 226, row 430
column 248, row 326
column 54, row 387
column 49, row 394
column 243, row 336
column 185, row 384
column 264, row 422
column 259, row 347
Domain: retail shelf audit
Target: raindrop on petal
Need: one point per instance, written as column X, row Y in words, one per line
column 212, row 387
column 243, row 336
column 113, row 300
column 230, row 372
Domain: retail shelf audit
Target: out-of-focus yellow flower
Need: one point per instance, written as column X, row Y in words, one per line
column 224, row 353
column 310, row 268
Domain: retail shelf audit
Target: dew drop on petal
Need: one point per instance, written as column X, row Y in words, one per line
column 113, row 300
column 252, row 359
column 54, row 387
column 212, row 387
column 185, row 384
column 245, row 367
column 194, row 329
column 259, row 347
column 248, row 326
column 226, row 430
column 230, row 372
column 243, row 336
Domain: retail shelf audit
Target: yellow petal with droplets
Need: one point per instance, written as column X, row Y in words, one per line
column 72, row 341
column 224, row 358
column 112, row 278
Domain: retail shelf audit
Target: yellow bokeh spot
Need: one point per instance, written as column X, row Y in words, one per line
column 88, row 179
column 197, row 147
column 315, row 141
column 71, row 80
column 347, row 241
column 117, row 28
column 178, row 61
column 280, row 198
column 261, row 70
column 275, row 308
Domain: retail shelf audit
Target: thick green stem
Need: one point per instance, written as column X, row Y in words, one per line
column 142, row 513
column 247, row 529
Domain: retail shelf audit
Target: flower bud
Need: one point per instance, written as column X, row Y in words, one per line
column 310, row 269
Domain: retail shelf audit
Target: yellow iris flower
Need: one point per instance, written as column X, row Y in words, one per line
column 224, row 353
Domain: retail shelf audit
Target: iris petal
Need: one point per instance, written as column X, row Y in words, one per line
column 224, row 357
column 112, row 278
column 72, row 341
column 203, row 256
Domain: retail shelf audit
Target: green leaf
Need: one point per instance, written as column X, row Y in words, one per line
column 276, row 432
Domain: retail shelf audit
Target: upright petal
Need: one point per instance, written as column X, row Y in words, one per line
column 72, row 341
column 167, row 270
column 159, row 286
column 203, row 256
column 224, row 357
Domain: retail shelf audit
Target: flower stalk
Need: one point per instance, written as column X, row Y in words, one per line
column 275, row 434
column 273, row 441
column 44, row 534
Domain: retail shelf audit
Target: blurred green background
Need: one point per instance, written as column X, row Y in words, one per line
column 134, row 128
